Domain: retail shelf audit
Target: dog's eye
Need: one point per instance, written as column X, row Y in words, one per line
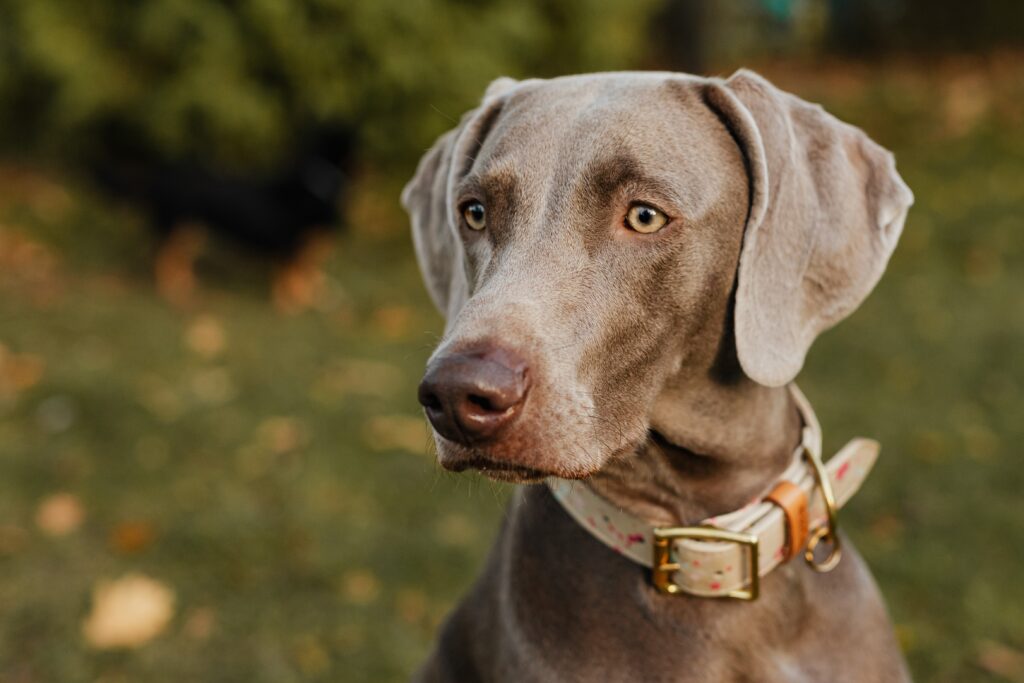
column 475, row 215
column 644, row 218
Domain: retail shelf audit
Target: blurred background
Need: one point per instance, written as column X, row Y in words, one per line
column 212, row 463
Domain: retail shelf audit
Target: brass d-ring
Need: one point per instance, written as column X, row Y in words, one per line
column 829, row 563
column 829, row 532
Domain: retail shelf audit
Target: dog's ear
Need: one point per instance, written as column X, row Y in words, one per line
column 500, row 86
column 438, row 250
column 826, row 210
column 427, row 199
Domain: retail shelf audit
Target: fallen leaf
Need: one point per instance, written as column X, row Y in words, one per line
column 199, row 623
column 887, row 527
column 206, row 336
column 129, row 538
column 360, row 586
column 159, row 398
column 400, row 432
column 128, row 612
column 411, row 605
column 356, row 376
column 19, row 372
column 59, row 514
column 281, row 434
column 455, row 530
column 47, row 197
column 393, row 322
column 12, row 539
column 311, row 656
column 25, row 259
column 213, row 386
column 968, row 98
column 1001, row 660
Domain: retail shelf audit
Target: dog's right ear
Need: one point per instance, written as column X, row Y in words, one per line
column 438, row 249
column 427, row 198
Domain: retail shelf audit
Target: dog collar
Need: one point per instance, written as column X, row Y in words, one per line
column 726, row 555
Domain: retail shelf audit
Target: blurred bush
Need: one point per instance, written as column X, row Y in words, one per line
column 867, row 27
column 235, row 82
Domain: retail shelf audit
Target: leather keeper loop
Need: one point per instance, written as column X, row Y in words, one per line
column 793, row 502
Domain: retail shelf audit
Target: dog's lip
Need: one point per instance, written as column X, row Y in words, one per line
column 510, row 472
column 496, row 469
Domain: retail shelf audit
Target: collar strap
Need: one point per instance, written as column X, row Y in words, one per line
column 726, row 555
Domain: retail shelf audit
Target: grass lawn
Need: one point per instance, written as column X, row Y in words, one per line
column 273, row 475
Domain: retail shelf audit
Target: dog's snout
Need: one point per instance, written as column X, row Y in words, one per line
column 470, row 397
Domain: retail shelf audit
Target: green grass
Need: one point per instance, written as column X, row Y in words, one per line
column 274, row 471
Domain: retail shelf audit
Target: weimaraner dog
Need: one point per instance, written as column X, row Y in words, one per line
column 632, row 267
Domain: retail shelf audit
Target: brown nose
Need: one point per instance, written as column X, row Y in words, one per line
column 470, row 397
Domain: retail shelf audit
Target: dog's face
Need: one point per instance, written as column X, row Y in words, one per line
column 584, row 236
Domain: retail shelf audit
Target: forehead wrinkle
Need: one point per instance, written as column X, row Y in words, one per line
column 605, row 149
column 606, row 178
column 491, row 180
column 498, row 174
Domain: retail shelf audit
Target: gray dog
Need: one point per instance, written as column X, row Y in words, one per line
column 632, row 267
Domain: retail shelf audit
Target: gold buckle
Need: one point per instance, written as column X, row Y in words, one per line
column 664, row 565
column 827, row 533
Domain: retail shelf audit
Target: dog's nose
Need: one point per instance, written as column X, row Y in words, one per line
column 471, row 396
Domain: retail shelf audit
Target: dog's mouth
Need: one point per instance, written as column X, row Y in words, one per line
column 457, row 458
column 500, row 471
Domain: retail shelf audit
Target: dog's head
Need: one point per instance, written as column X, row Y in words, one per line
column 589, row 237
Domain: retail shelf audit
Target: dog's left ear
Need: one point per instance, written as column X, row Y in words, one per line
column 826, row 210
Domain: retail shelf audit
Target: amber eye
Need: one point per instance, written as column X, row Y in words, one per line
column 475, row 215
column 644, row 218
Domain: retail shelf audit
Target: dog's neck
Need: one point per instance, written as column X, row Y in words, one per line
column 713, row 446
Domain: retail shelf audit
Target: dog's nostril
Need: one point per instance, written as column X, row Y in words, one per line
column 482, row 402
column 428, row 398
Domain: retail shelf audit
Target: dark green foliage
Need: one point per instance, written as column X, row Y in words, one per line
column 236, row 80
column 865, row 27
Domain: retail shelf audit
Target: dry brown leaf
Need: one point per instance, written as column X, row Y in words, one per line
column 12, row 539
column 360, row 586
column 1001, row 660
column 401, row 432
column 213, row 386
column 281, row 434
column 411, row 605
column 393, row 322
column 133, row 537
column 887, row 527
column 26, row 260
column 128, row 612
column 19, row 371
column 968, row 98
column 455, row 530
column 199, row 623
column 206, row 336
column 46, row 196
column 311, row 656
column 59, row 514
column 356, row 376
column 159, row 398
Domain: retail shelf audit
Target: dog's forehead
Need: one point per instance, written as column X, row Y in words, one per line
column 560, row 130
column 572, row 113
